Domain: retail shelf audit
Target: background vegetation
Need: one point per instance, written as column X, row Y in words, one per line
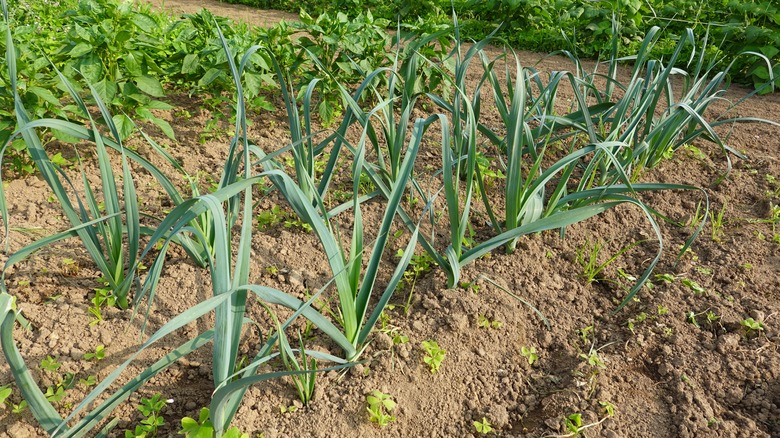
column 734, row 26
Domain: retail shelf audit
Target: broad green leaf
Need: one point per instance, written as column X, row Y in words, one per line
column 124, row 125
column 190, row 64
column 150, row 86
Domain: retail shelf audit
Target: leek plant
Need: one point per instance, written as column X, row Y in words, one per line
column 220, row 211
column 102, row 233
column 662, row 107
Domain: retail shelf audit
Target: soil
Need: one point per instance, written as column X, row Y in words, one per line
column 656, row 372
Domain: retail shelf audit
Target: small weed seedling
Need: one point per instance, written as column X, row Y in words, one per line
column 50, row 364
column 98, row 355
column 530, row 354
column 593, row 359
column 588, row 258
column 418, row 266
column 89, row 381
column 434, row 355
column 203, row 428
column 150, row 408
column 584, row 334
column 609, row 408
column 694, row 286
column 752, row 327
column 380, row 406
column 716, row 221
column 573, row 424
column 484, row 322
column 484, row 427
column 5, row 392
column 287, row 409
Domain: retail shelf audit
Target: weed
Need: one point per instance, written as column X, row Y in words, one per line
column 98, row 354
column 716, row 221
column 203, row 428
column 380, row 406
column 54, row 393
column 752, row 327
column 18, row 409
column 530, row 354
column 609, row 408
column 593, row 359
column 484, row 322
column 50, row 364
column 150, row 408
column 588, row 258
column 694, row 286
column 88, row 381
column 484, row 427
column 584, row 334
column 419, row 265
column 573, row 423
column 5, row 392
column 287, row 409
column 434, row 355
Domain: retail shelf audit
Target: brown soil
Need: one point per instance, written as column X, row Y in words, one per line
column 665, row 376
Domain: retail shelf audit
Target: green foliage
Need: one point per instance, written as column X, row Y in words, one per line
column 380, row 406
column 50, row 364
column 434, row 355
column 98, row 355
column 346, row 49
column 484, row 427
column 752, row 327
column 530, row 354
column 202, row 427
column 151, row 409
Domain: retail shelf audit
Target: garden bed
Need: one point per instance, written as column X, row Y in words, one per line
column 679, row 360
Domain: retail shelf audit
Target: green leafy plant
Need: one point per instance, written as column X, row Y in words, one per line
column 752, row 327
column 151, row 409
column 484, row 322
column 716, row 222
column 5, row 393
column 346, row 49
column 484, row 427
column 97, row 355
column 530, row 354
column 50, row 364
column 588, row 258
column 380, row 408
column 202, row 427
column 573, row 423
column 434, row 355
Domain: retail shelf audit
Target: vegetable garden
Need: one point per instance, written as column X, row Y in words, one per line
column 351, row 223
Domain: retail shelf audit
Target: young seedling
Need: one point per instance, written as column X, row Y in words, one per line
column 609, row 408
column 98, row 355
column 203, row 428
column 752, row 327
column 694, row 286
column 150, row 408
column 484, row 322
column 716, row 221
column 50, row 364
column 588, row 258
column 573, row 424
column 434, row 355
column 380, row 406
column 484, row 427
column 5, row 392
column 530, row 354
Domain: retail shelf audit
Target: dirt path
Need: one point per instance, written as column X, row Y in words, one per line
column 243, row 13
